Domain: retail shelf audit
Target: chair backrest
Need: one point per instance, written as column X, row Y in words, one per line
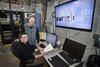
column 15, row 54
column 93, row 61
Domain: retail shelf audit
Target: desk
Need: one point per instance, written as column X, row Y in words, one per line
column 56, row 52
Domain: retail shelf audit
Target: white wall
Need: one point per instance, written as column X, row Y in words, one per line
column 83, row 37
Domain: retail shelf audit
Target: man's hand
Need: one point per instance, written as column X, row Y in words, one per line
column 36, row 50
column 17, row 40
column 40, row 55
column 43, row 53
column 40, row 49
column 37, row 45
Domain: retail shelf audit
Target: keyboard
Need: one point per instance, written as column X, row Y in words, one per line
column 56, row 61
column 68, row 58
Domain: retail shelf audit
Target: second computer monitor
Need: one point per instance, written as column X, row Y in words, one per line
column 51, row 38
column 42, row 36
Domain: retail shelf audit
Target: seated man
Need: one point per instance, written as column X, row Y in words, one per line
column 24, row 51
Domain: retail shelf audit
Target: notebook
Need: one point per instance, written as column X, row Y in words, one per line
column 72, row 51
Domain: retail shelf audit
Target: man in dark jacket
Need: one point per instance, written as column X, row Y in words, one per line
column 23, row 50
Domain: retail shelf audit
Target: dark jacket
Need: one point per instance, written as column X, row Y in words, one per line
column 22, row 51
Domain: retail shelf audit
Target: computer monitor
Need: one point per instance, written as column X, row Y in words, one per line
column 74, row 49
column 75, row 14
column 42, row 36
column 51, row 38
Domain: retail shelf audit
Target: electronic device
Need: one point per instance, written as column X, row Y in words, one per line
column 51, row 38
column 73, row 50
column 68, row 58
column 97, row 42
column 42, row 36
column 77, row 14
column 42, row 45
column 53, row 60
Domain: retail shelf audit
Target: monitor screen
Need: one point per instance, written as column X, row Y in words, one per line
column 42, row 35
column 74, row 49
column 77, row 14
column 51, row 38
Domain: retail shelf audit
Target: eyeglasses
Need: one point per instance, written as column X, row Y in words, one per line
column 24, row 37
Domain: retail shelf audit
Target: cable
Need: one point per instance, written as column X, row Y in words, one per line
column 96, row 51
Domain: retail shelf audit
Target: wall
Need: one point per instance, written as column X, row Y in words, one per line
column 14, row 7
column 97, row 16
column 76, row 35
column 97, row 19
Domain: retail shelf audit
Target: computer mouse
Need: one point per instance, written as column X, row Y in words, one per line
column 50, row 59
column 74, row 59
column 42, row 45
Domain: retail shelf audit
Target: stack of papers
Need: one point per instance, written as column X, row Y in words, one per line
column 48, row 48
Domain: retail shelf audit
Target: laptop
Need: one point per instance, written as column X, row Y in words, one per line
column 72, row 51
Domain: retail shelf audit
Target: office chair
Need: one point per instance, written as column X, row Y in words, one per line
column 93, row 61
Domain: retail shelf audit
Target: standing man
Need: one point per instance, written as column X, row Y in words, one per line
column 32, row 31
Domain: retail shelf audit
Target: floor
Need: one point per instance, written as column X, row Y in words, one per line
column 7, row 59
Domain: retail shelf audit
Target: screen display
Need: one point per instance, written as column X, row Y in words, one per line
column 42, row 35
column 51, row 38
column 74, row 49
column 76, row 14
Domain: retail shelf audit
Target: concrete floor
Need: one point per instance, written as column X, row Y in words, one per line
column 7, row 59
